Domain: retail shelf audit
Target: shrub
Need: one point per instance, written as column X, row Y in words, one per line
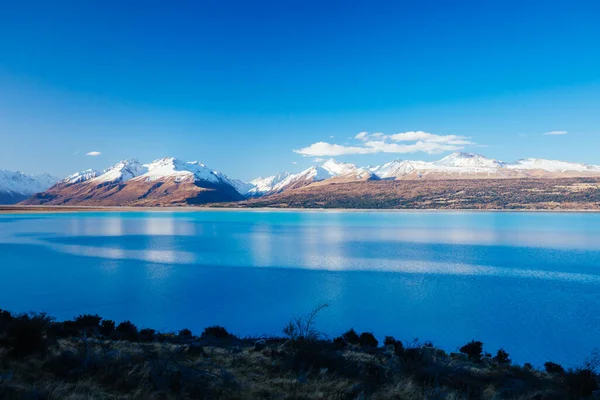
column 107, row 327
column 553, row 368
column 339, row 342
column 5, row 318
column 303, row 327
column 367, row 339
column 389, row 340
column 126, row 331
column 502, row 357
column 65, row 329
column 88, row 322
column 185, row 333
column 581, row 382
column 313, row 356
column 473, row 349
column 216, row 332
column 351, row 337
column 27, row 334
column 147, row 335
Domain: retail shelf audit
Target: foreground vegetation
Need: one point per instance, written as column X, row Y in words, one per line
column 93, row 358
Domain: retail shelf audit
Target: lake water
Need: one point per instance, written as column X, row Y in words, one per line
column 527, row 282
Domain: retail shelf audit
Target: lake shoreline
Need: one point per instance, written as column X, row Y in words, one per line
column 19, row 209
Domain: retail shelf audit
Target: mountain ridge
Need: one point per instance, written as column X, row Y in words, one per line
column 171, row 181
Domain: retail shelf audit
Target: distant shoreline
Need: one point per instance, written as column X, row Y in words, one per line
column 20, row 209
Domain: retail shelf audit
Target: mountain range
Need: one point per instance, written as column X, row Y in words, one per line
column 170, row 181
column 17, row 186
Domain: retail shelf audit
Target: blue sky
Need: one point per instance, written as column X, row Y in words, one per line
column 240, row 85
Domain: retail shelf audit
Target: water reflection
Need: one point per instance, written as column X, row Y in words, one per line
column 527, row 282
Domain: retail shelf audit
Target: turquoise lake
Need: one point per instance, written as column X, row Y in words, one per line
column 525, row 282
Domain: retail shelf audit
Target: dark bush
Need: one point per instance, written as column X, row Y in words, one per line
column 88, row 322
column 553, row 368
column 351, row 337
column 185, row 333
column 502, row 357
column 5, row 318
column 65, row 329
column 216, row 332
column 147, row 335
column 126, row 331
column 473, row 349
column 313, row 356
column 581, row 382
column 107, row 327
column 27, row 334
column 367, row 339
column 389, row 340
column 339, row 342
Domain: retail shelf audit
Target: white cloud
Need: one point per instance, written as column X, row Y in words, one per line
column 429, row 137
column 362, row 136
column 294, row 162
column 371, row 143
column 328, row 149
column 556, row 133
column 93, row 153
column 318, row 159
column 331, row 137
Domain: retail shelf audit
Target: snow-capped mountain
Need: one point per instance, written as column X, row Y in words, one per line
column 166, row 181
column 553, row 166
column 260, row 186
column 17, row 186
column 81, row 176
column 469, row 160
column 169, row 181
column 330, row 169
column 122, row 172
column 475, row 166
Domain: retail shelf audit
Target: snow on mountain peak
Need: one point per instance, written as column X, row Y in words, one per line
column 170, row 167
column 469, row 160
column 122, row 171
column 262, row 185
column 81, row 176
column 24, row 184
column 553, row 165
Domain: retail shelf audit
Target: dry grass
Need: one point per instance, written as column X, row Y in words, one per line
column 83, row 364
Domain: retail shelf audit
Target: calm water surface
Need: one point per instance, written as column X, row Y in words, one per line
column 527, row 282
